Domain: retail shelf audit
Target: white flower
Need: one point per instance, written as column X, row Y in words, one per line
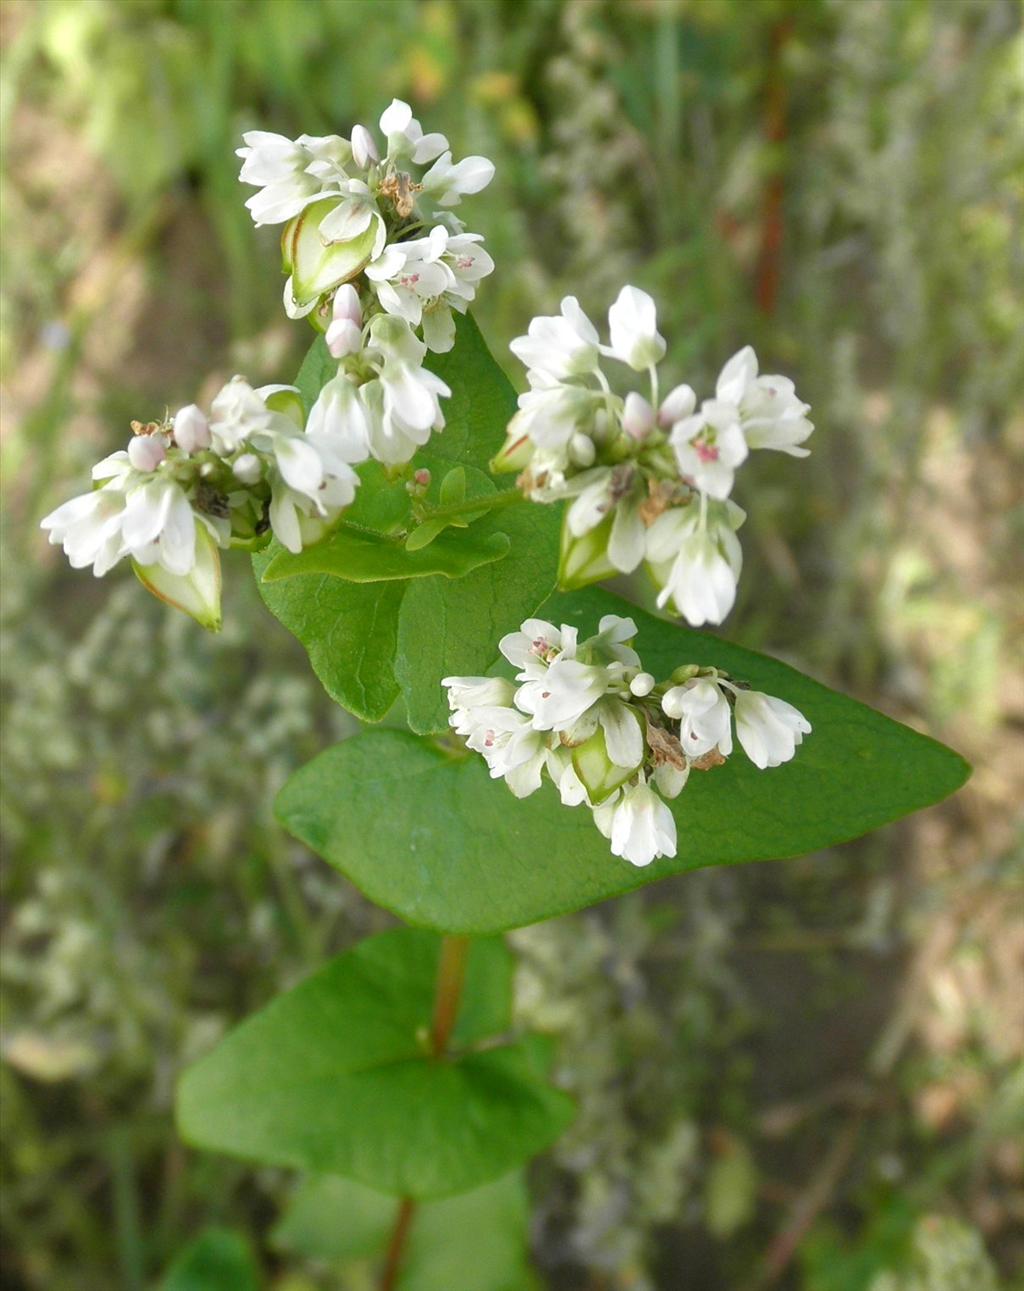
column 614, row 633
column 447, row 184
column 704, row 716
column 641, row 827
column 345, row 331
column 158, row 526
column 409, row 274
column 339, row 419
column 772, row 416
column 697, row 565
column 277, row 166
column 560, row 345
column 551, row 413
column 633, row 323
column 511, row 747
column 238, row 412
column 89, row 529
column 769, row 729
column 478, row 692
column 406, row 140
column 352, row 216
column 562, row 694
column 709, row 447
column 538, row 640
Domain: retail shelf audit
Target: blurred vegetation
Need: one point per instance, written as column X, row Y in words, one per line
column 802, row 1075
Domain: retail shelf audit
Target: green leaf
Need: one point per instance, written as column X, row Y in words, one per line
column 361, row 557
column 350, row 631
column 335, row 1076
column 453, row 487
column 442, row 845
column 335, row 1220
column 218, row 1260
column 367, row 646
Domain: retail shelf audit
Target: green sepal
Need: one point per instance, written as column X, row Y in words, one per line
column 196, row 593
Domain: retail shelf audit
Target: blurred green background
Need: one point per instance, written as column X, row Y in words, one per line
column 799, row 1075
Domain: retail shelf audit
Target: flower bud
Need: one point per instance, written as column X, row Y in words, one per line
column 364, row 146
column 191, row 429
column 146, row 452
column 677, row 404
column 516, row 453
column 685, row 672
column 637, row 417
column 642, row 684
column 247, row 469
column 581, row 450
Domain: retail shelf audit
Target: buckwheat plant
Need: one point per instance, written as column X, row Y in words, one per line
column 376, row 501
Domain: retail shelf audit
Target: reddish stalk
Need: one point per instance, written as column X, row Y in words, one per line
column 769, row 261
column 451, row 977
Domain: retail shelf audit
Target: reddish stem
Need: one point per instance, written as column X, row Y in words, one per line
column 451, row 977
column 772, row 224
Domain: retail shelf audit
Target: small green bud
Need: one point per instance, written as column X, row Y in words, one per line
column 685, row 672
column 600, row 776
column 515, row 454
column 585, row 560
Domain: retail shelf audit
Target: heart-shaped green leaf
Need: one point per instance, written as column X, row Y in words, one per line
column 336, row 1076
column 339, row 1221
column 442, row 845
column 368, row 645
column 218, row 1260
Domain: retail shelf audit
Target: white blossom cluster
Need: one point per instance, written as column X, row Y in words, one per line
column 649, row 478
column 350, row 211
column 379, row 261
column 607, row 734
column 195, row 482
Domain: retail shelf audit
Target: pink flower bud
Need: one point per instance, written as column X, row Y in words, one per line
column 637, row 417
column 191, row 429
column 344, row 335
column 422, row 478
column 146, row 452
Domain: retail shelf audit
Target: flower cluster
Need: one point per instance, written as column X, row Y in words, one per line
column 377, row 260
column 195, row 482
column 349, row 211
column 607, row 734
column 649, row 478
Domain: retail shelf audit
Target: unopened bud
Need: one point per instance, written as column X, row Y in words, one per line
column 364, row 146
column 642, row 684
column 191, row 429
column 581, row 450
column 247, row 469
column 637, row 417
column 677, row 404
column 146, row 452
column 344, row 333
column 420, row 482
column 685, row 672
